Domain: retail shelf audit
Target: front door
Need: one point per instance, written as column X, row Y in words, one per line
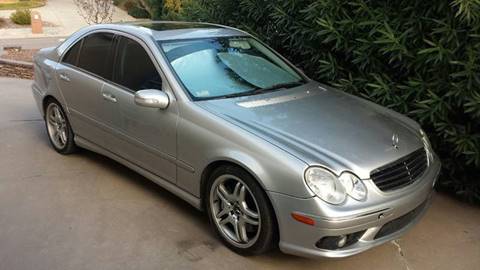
column 147, row 136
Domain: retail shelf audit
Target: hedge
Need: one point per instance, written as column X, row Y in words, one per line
column 21, row 17
column 420, row 58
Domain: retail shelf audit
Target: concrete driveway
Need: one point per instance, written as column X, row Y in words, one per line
column 85, row 211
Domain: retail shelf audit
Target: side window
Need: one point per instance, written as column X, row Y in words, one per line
column 134, row 68
column 71, row 57
column 96, row 54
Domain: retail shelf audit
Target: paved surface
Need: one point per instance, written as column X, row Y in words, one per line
column 87, row 212
column 63, row 14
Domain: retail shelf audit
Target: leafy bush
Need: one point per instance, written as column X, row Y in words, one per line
column 186, row 10
column 134, row 10
column 420, row 58
column 21, row 16
column 142, row 8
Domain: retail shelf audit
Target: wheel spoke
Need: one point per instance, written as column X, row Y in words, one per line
column 241, row 195
column 248, row 212
column 60, row 138
column 226, row 220
column 223, row 212
column 58, row 116
column 236, row 191
column 63, row 135
column 223, row 194
column 249, row 220
column 242, row 231
column 51, row 119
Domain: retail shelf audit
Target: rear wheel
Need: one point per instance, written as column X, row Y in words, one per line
column 59, row 130
column 240, row 212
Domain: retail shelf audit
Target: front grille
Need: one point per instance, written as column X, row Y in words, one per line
column 399, row 223
column 401, row 172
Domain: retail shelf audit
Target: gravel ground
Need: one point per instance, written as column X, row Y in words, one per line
column 15, row 72
column 20, row 55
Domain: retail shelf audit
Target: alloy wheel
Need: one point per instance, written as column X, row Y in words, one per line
column 235, row 211
column 56, row 126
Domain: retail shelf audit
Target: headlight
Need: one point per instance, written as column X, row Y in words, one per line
column 353, row 186
column 427, row 146
column 333, row 189
column 325, row 185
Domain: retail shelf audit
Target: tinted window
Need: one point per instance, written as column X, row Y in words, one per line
column 96, row 54
column 134, row 68
column 71, row 57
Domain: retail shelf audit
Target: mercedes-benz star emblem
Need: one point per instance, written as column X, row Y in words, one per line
column 395, row 140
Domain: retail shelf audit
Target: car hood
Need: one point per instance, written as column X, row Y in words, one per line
column 323, row 126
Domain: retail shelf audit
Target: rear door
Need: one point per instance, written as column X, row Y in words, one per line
column 147, row 136
column 80, row 76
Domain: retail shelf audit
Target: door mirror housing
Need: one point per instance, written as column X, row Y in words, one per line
column 152, row 98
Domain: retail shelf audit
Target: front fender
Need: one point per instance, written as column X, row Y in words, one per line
column 205, row 139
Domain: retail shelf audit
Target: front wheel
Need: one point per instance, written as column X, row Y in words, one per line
column 59, row 130
column 240, row 212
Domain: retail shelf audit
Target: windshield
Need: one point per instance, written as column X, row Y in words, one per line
column 227, row 67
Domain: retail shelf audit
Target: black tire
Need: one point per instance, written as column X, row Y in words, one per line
column 69, row 146
column 268, row 236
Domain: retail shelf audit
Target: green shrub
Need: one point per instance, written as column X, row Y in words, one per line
column 134, row 10
column 420, row 58
column 21, row 16
column 142, row 8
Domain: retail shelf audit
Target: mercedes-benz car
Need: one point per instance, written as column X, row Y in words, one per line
column 217, row 117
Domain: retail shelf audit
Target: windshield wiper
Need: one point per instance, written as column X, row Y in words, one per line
column 239, row 94
column 259, row 90
column 276, row 87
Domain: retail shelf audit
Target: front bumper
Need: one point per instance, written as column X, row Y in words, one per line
column 395, row 212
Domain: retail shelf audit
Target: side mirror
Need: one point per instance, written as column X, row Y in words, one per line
column 152, row 98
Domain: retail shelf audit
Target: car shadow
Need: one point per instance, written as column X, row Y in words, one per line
column 179, row 205
column 151, row 188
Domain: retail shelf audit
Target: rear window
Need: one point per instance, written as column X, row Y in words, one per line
column 96, row 55
column 71, row 57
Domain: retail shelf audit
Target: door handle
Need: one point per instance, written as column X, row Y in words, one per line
column 109, row 97
column 64, row 77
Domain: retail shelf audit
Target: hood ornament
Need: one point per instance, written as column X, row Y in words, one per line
column 395, row 140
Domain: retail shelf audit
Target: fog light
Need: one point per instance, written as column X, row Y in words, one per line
column 342, row 241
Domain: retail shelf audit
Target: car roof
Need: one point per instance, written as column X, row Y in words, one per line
column 175, row 30
column 157, row 30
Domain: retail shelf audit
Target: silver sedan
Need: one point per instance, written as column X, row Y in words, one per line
column 218, row 118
